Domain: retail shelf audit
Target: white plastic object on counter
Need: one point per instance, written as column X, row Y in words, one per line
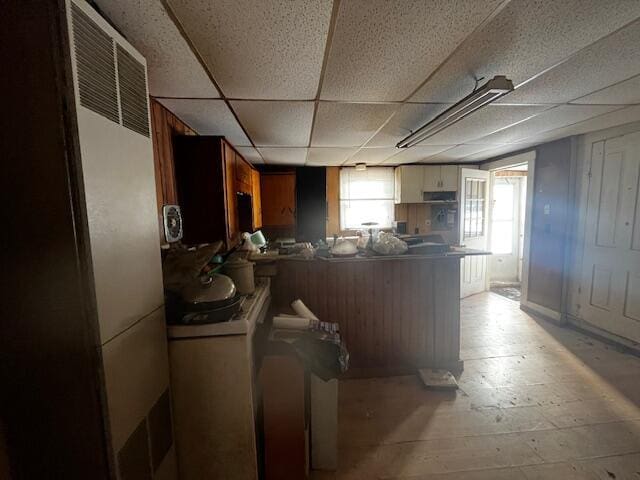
column 293, row 323
column 302, row 310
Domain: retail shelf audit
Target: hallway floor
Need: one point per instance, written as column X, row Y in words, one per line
column 535, row 402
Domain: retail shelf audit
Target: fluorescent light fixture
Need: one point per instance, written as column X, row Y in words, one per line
column 361, row 167
column 495, row 88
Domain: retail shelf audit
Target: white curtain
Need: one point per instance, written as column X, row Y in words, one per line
column 366, row 196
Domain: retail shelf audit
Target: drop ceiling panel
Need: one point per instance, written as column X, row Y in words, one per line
column 382, row 50
column 608, row 61
column 208, row 117
column 284, row 156
column 348, row 124
column 483, row 122
column 260, row 50
column 458, row 153
column 407, row 119
column 624, row 93
column 523, row 40
column 250, row 154
column 417, row 154
column 173, row 69
column 372, row 156
column 601, row 122
column 329, row 156
column 498, row 151
column 276, row 123
column 554, row 118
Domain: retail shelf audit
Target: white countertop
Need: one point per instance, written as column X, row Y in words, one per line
column 243, row 322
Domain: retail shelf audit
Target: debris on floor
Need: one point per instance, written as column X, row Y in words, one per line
column 440, row 379
column 510, row 292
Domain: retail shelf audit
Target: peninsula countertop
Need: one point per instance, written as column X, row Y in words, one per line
column 455, row 252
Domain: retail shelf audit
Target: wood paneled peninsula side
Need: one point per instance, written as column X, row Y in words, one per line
column 396, row 314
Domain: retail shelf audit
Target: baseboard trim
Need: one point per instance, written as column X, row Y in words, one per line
column 620, row 343
column 542, row 312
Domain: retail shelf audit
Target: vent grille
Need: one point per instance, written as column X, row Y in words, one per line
column 96, row 66
column 133, row 93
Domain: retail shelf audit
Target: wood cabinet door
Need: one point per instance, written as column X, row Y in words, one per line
column 409, row 181
column 431, row 178
column 243, row 174
column 278, row 195
column 256, row 198
column 449, row 178
column 230, row 193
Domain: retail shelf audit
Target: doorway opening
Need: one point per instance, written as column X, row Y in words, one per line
column 507, row 230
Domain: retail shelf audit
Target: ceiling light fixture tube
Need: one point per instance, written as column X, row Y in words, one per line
column 495, row 88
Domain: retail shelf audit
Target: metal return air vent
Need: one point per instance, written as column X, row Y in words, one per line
column 133, row 93
column 96, row 66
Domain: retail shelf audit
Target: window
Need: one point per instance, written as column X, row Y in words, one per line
column 366, row 196
column 474, row 195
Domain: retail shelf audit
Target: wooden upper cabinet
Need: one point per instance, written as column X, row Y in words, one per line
column 230, row 190
column 243, row 175
column 278, row 194
column 256, row 197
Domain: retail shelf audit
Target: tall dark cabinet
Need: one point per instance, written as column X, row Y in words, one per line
column 215, row 190
column 311, row 204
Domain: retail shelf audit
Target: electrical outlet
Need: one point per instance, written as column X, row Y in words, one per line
column 427, row 222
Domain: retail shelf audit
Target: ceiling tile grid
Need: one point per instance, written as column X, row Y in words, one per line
column 591, row 69
column 497, row 151
column 416, row 154
column 250, row 154
column 372, row 156
column 458, row 153
column 283, row 155
column 348, row 124
column 267, row 49
column 601, row 122
column 276, row 123
column 208, row 117
column 575, row 64
column 174, row 70
column 524, row 39
column 331, row 156
column 406, row 120
column 484, row 122
column 623, row 93
column 382, row 50
column 553, row 118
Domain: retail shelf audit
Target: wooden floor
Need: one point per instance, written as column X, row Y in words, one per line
column 535, row 402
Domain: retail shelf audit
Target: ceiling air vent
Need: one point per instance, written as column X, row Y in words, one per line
column 133, row 93
column 96, row 66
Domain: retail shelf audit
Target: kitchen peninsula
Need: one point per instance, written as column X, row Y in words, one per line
column 396, row 313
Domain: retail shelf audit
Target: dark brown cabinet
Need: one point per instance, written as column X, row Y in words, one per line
column 278, row 193
column 210, row 174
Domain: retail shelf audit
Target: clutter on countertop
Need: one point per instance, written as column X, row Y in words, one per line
column 344, row 248
column 240, row 271
column 388, row 244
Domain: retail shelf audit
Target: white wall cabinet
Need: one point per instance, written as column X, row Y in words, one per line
column 440, row 178
column 413, row 180
column 409, row 183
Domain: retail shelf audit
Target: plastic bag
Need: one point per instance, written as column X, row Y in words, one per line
column 387, row 244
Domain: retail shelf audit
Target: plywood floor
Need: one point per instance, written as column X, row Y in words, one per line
column 535, row 402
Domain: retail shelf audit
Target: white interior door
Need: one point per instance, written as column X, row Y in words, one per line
column 474, row 189
column 610, row 286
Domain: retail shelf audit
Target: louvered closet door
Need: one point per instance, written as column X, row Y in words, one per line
column 610, row 286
